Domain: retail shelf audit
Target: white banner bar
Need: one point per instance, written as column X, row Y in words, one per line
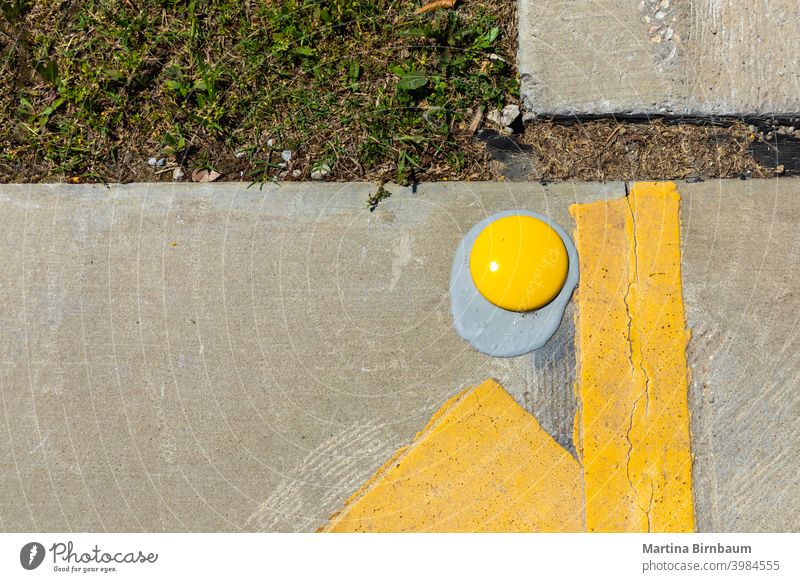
column 355, row 557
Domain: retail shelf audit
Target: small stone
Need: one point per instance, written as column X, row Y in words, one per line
column 660, row 15
column 270, row 142
column 178, row 175
column 286, row 155
column 320, row 172
column 205, row 175
column 494, row 116
column 240, row 154
column 152, row 162
column 495, row 58
column 296, row 173
column 509, row 115
column 161, row 162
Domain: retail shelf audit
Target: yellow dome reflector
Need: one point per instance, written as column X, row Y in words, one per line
column 519, row 263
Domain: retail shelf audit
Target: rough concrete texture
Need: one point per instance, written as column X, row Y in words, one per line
column 701, row 57
column 741, row 274
column 218, row 358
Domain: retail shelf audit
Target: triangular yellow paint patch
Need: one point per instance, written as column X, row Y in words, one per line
column 481, row 464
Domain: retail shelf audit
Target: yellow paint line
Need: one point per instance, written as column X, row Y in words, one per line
column 481, row 464
column 632, row 430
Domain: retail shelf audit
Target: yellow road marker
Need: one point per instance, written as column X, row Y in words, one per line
column 632, row 430
column 519, row 263
column 481, row 464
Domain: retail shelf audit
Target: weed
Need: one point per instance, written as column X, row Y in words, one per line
column 380, row 194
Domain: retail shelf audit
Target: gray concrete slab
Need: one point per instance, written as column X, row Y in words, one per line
column 701, row 57
column 223, row 358
column 217, row 358
column 741, row 265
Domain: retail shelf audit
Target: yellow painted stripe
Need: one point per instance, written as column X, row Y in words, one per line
column 632, row 430
column 482, row 464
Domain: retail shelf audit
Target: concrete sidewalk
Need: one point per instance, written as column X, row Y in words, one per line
column 218, row 358
column 646, row 57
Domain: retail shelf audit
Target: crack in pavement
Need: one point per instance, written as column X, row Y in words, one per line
column 635, row 356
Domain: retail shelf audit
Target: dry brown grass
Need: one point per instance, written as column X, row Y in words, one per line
column 614, row 150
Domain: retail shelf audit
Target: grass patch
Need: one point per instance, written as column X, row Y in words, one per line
column 89, row 91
